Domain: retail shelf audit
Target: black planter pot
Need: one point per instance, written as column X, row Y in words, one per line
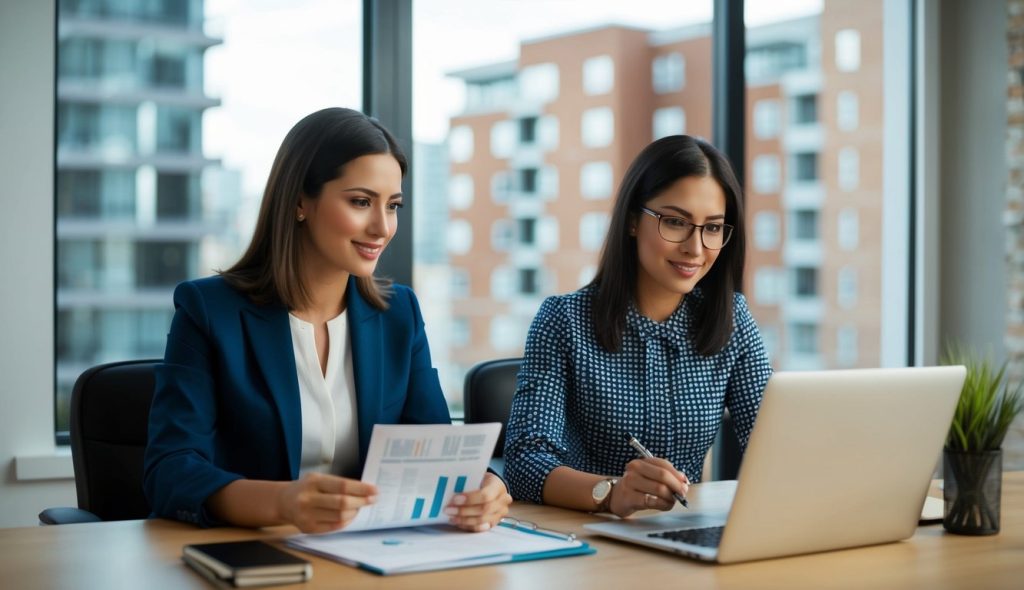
column 972, row 487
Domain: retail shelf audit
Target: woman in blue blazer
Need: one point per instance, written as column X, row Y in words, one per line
column 276, row 371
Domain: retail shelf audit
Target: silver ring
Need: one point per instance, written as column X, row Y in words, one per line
column 647, row 500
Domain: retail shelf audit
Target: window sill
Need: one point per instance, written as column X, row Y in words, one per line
column 56, row 465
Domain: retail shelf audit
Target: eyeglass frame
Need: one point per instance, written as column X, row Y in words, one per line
column 693, row 228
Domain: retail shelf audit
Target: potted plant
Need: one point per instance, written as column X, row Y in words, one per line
column 973, row 456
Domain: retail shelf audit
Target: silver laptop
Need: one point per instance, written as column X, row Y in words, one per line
column 836, row 459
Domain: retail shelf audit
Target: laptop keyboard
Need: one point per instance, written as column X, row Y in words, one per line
column 705, row 537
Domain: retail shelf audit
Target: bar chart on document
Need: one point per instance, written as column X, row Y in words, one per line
column 418, row 468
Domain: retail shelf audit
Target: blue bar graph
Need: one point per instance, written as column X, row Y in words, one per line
column 435, row 508
column 417, row 508
column 460, row 484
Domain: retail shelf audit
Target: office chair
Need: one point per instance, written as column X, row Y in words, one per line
column 487, row 397
column 109, row 426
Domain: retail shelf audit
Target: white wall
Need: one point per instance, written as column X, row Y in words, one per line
column 26, row 259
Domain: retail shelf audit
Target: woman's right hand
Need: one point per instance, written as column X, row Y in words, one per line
column 647, row 484
column 320, row 503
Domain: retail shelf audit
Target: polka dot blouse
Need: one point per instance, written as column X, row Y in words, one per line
column 574, row 401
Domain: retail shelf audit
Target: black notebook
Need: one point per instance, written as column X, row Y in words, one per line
column 246, row 563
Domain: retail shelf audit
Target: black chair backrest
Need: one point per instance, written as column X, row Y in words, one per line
column 487, row 394
column 109, row 425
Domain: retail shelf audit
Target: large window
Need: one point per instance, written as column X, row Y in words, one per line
column 817, row 164
column 165, row 136
column 587, row 87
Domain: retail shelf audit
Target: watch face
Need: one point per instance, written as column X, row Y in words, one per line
column 601, row 490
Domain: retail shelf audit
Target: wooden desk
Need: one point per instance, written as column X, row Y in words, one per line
column 146, row 555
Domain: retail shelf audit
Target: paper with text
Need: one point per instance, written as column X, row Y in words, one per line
column 418, row 468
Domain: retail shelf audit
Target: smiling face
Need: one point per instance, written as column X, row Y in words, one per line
column 668, row 271
column 352, row 220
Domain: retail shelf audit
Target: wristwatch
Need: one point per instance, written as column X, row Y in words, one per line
column 602, row 493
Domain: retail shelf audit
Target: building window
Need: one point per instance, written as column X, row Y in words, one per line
column 503, row 139
column 766, row 230
column 528, row 181
column 805, row 225
column 593, row 227
column 586, row 275
column 528, row 281
column 848, row 229
column 847, row 111
column 460, row 192
column 596, row 180
column 767, row 119
column 668, row 73
column 668, row 121
column 848, row 50
column 805, row 167
column 598, row 75
column 507, row 333
column 528, row 130
column 161, row 264
column 547, row 132
column 503, row 283
column 502, row 235
column 598, row 127
column 539, row 82
column 460, row 143
column 768, row 285
column 846, row 288
column 846, row 345
column 461, row 334
column 849, row 168
column 460, row 283
column 804, row 338
column 527, row 234
column 548, row 182
column 767, row 174
column 460, row 236
column 547, row 234
column 805, row 281
column 805, row 109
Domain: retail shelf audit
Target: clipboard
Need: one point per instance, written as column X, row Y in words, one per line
column 429, row 548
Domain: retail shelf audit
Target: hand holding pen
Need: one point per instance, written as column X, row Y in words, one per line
column 648, row 502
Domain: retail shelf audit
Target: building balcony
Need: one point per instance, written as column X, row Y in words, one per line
column 799, row 82
column 187, row 230
column 115, row 298
column 802, row 309
column 808, row 194
column 188, row 34
column 803, row 138
column 69, row 158
column 125, row 91
column 802, row 253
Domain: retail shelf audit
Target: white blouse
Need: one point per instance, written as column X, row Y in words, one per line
column 330, row 431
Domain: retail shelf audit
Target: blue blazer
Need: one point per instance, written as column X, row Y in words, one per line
column 226, row 404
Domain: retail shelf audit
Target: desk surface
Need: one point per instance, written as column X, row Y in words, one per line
column 146, row 554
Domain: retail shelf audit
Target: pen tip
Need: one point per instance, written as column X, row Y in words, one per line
column 629, row 436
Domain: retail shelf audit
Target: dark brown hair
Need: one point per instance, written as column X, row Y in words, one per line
column 658, row 166
column 312, row 154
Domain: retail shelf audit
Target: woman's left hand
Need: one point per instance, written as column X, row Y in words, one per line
column 482, row 509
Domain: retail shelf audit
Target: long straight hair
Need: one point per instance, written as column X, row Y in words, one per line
column 657, row 167
column 311, row 155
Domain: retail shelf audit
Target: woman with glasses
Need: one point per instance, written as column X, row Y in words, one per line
column 657, row 345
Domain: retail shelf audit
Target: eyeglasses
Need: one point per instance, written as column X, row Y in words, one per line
column 674, row 229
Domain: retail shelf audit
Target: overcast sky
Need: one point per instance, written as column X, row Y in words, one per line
column 283, row 59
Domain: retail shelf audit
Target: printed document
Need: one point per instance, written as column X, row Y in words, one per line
column 418, row 468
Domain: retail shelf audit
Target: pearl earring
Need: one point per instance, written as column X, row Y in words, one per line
column 302, row 217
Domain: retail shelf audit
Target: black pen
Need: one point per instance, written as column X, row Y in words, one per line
column 633, row 442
